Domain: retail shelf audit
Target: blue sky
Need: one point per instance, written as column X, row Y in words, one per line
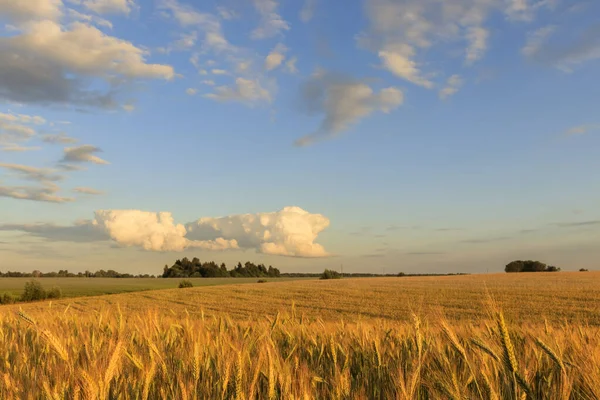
column 415, row 136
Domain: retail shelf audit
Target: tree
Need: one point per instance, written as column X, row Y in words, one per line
column 330, row 274
column 33, row 291
column 529, row 266
column 185, row 284
column 514, row 266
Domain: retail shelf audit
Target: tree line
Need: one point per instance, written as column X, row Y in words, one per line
column 63, row 273
column 529, row 266
column 195, row 268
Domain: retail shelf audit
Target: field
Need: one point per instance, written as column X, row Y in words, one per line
column 509, row 336
column 75, row 287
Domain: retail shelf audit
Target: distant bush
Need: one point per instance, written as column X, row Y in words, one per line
column 330, row 274
column 55, row 293
column 401, row 274
column 583, row 270
column 185, row 284
column 261, row 281
column 7, row 298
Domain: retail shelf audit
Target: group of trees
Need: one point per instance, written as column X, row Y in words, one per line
column 63, row 273
column 34, row 291
column 185, row 268
column 529, row 266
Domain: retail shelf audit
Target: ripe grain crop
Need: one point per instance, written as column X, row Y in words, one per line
column 175, row 347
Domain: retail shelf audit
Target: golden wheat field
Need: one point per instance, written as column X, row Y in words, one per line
column 513, row 336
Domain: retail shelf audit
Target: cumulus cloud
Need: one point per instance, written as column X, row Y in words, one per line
column 21, row 11
column 87, row 190
column 288, row 232
column 151, row 231
column 52, row 63
column 453, row 84
column 567, row 52
column 271, row 23
column 275, row 57
column 191, row 91
column 344, row 101
column 83, row 153
column 244, row 90
column 291, row 231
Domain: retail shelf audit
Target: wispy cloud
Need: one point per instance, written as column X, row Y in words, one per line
column 87, row 190
column 486, row 240
column 453, row 85
column 577, row 224
column 581, row 129
column 343, row 101
column 83, row 153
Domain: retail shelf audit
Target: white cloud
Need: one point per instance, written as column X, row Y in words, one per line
column 83, row 153
column 218, row 72
column 344, row 102
column 151, row 231
column 453, row 84
column 86, row 50
column 275, row 57
column 271, row 23
column 581, row 129
column 568, row 50
column 47, row 62
column 33, row 173
column 87, row 190
column 60, row 138
column 399, row 63
column 477, row 37
column 186, row 41
column 191, row 91
column 22, row 118
column 227, row 14
column 291, row 231
column 524, row 10
column 290, row 65
column 308, row 10
column 91, row 19
column 208, row 82
column 536, row 39
column 186, row 16
column 45, row 193
column 288, row 232
column 25, row 10
column 17, row 127
column 109, row 6
column 401, row 31
column 245, row 90
column 13, row 147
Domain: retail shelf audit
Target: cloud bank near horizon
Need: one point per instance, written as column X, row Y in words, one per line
column 290, row 231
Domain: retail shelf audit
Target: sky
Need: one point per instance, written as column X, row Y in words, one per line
column 384, row 136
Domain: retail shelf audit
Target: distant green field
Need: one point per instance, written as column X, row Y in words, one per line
column 75, row 287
